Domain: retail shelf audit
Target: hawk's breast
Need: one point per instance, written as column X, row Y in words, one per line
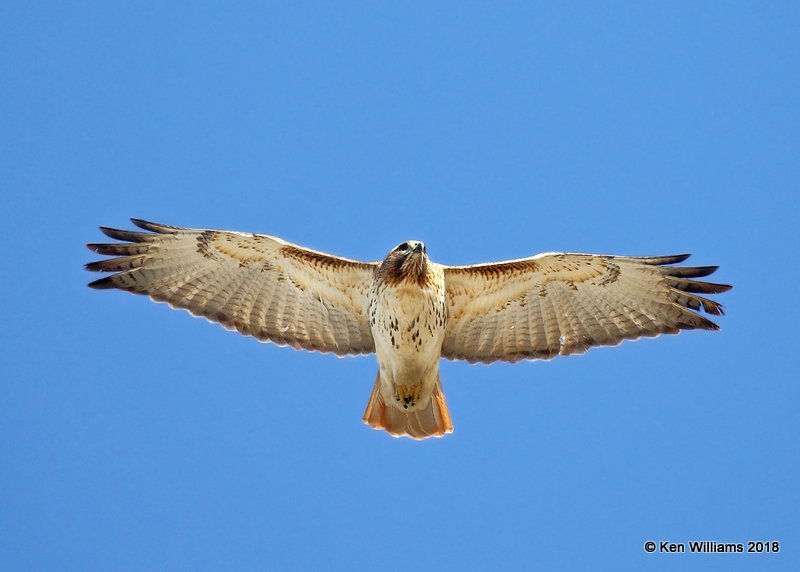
column 408, row 323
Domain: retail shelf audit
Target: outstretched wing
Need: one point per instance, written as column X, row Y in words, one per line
column 253, row 283
column 560, row 304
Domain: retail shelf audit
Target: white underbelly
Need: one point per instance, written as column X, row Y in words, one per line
column 408, row 330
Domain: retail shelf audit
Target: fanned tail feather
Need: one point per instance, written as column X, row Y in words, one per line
column 431, row 420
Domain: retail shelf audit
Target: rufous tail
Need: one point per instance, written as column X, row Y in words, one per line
column 431, row 420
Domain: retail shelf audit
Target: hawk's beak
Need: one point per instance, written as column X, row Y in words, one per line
column 419, row 248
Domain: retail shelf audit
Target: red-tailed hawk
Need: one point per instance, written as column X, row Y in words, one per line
column 408, row 310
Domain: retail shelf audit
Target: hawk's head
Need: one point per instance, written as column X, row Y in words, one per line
column 406, row 262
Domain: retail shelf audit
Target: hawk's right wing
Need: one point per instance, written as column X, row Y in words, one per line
column 253, row 283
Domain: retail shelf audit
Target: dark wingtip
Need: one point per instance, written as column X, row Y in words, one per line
column 112, row 232
column 102, row 284
column 699, row 322
column 126, row 235
column 141, row 223
column 689, row 271
column 661, row 260
column 676, row 258
column 154, row 226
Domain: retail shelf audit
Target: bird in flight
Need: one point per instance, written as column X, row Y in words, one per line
column 408, row 310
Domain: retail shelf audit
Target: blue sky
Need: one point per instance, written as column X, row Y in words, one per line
column 138, row 438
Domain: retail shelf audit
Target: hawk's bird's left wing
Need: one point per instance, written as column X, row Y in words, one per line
column 253, row 283
column 561, row 303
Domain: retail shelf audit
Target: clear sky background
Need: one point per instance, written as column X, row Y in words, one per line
column 133, row 437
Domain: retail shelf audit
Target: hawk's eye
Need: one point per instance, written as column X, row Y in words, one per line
column 403, row 247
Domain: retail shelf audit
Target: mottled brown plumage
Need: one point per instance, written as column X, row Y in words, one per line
column 407, row 309
column 401, row 265
column 255, row 284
